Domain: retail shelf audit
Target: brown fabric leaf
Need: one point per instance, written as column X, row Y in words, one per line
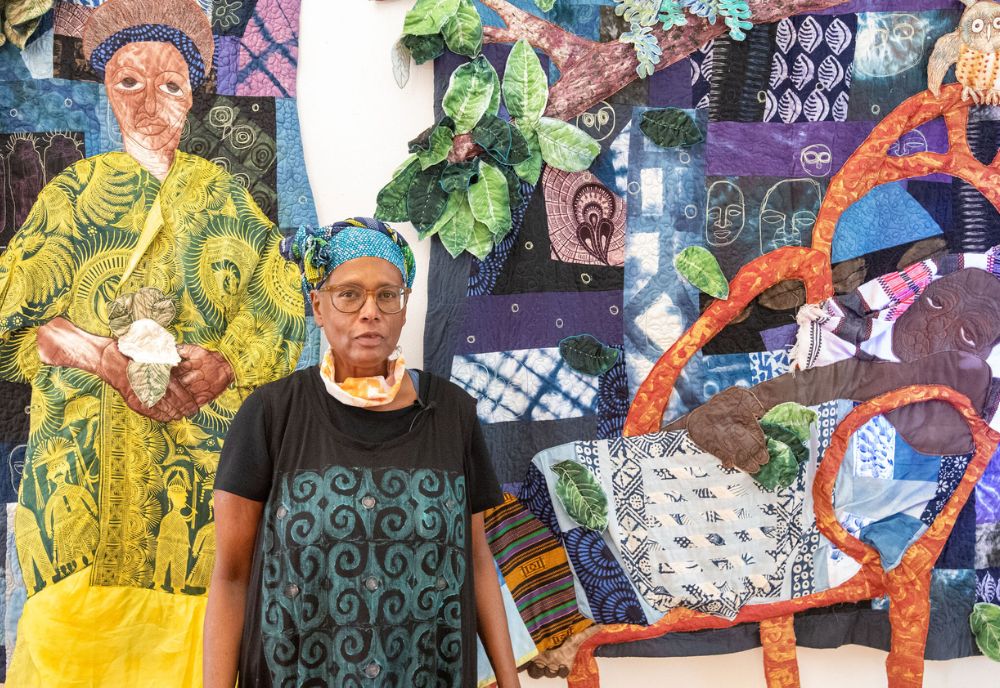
column 784, row 296
column 849, row 275
column 726, row 426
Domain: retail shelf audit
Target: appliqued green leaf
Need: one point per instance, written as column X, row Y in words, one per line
column 494, row 106
column 425, row 199
column 503, row 142
column 150, row 303
column 700, row 268
column 429, row 16
column 459, row 175
column 794, row 417
column 457, row 235
column 439, row 145
column 525, row 85
column 489, row 199
column 513, row 190
column 586, row 354
column 671, row 128
column 545, row 5
column 985, row 624
column 481, row 241
column 149, row 381
column 401, row 60
column 780, row 472
column 564, row 146
column 424, row 48
column 782, row 434
column 531, row 169
column 581, row 495
column 391, row 201
column 463, row 33
column 469, row 94
column 444, row 222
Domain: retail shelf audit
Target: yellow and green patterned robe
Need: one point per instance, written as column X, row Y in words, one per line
column 120, row 500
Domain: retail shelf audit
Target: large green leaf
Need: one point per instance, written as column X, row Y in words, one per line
column 787, row 437
column 581, row 495
column 469, row 94
column 985, row 624
column 564, row 146
column 425, row 199
column 780, row 472
column 545, row 5
column 458, row 176
column 503, row 142
column 444, row 222
column 670, row 128
column 149, row 381
column 586, row 354
column 457, row 236
column 481, row 242
column 424, row 48
column 700, row 268
column 792, row 416
column 463, row 33
column 531, row 169
column 438, row 147
column 429, row 16
column 391, row 201
column 525, row 86
column 489, row 199
column 494, row 107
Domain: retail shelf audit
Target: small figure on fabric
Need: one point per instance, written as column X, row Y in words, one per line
column 974, row 49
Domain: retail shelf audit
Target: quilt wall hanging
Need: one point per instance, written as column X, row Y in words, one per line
column 149, row 154
column 722, row 277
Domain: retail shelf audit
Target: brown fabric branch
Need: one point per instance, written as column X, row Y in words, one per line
column 594, row 71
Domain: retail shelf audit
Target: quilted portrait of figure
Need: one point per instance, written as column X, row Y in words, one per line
column 142, row 299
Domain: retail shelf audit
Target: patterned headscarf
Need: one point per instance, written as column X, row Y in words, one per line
column 182, row 23
column 318, row 251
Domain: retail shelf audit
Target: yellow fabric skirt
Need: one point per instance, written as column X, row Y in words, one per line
column 74, row 635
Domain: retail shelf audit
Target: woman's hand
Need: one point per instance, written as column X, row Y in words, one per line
column 205, row 374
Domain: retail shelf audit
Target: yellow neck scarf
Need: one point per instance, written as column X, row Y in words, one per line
column 364, row 392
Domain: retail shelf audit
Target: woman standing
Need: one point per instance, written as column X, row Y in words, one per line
column 349, row 500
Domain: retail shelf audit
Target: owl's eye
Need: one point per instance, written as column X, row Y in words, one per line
column 977, row 25
column 996, row 23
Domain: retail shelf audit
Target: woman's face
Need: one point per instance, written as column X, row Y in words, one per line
column 150, row 92
column 361, row 342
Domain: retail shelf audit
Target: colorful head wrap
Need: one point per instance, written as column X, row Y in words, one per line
column 182, row 23
column 318, row 251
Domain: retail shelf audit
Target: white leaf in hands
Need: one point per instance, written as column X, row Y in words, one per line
column 148, row 342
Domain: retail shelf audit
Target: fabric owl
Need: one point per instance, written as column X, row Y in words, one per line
column 974, row 49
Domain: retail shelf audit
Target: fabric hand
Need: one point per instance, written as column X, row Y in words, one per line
column 726, row 426
column 205, row 374
column 177, row 403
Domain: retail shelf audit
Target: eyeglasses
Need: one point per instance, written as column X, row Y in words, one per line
column 351, row 298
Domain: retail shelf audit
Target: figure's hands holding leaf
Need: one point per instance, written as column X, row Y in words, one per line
column 175, row 404
column 204, row 374
column 727, row 427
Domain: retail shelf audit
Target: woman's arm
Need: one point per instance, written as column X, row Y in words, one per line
column 236, row 522
column 490, row 614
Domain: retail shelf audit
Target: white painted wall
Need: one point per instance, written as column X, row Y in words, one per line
column 355, row 124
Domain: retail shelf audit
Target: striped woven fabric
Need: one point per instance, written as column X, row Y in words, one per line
column 537, row 573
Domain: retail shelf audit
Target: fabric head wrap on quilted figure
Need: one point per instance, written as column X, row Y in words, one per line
column 181, row 23
column 355, row 372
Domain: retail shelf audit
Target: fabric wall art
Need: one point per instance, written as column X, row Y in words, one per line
column 849, row 215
